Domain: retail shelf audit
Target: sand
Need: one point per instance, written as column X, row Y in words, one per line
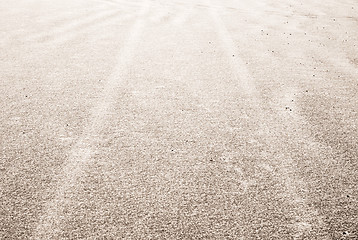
column 178, row 119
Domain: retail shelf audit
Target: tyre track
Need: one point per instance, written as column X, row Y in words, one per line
column 50, row 223
column 52, row 22
column 183, row 17
column 162, row 13
column 92, row 26
column 119, row 3
column 73, row 26
column 305, row 216
column 171, row 13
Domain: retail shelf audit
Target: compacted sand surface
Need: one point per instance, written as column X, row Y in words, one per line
column 178, row 119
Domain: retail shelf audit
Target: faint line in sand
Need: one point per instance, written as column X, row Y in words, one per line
column 92, row 26
column 180, row 19
column 71, row 26
column 237, row 64
column 36, row 34
column 49, row 225
column 284, row 165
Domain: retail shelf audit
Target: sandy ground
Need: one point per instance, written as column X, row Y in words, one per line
column 178, row 119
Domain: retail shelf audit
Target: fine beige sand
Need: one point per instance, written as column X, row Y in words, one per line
column 178, row 119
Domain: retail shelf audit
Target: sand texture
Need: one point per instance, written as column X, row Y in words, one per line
column 179, row 119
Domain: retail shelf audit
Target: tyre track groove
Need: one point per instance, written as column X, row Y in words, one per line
column 73, row 26
column 305, row 216
column 50, row 223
